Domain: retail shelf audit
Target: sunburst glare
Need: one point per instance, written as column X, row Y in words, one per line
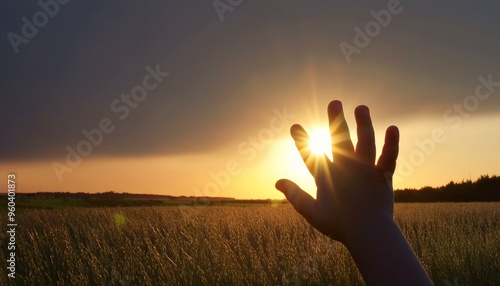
column 320, row 142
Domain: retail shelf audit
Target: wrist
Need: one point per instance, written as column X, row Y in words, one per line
column 382, row 253
column 367, row 227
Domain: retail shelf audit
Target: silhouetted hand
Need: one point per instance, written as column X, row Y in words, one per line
column 354, row 201
column 351, row 189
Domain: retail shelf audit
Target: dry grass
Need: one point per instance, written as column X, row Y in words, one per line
column 257, row 245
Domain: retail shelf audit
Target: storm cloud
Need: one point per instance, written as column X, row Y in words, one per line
column 226, row 76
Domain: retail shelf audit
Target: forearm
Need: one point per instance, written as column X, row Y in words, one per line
column 383, row 255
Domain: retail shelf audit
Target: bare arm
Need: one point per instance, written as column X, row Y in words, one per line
column 355, row 201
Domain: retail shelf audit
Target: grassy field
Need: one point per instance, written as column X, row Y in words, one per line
column 459, row 244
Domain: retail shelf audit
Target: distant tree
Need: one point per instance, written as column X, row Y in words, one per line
column 485, row 189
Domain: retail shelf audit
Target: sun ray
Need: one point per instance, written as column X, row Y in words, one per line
column 320, row 142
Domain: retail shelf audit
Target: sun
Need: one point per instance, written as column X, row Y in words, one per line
column 320, row 141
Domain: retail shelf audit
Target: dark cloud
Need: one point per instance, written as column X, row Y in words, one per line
column 65, row 79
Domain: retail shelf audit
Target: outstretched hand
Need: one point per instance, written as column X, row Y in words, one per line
column 352, row 190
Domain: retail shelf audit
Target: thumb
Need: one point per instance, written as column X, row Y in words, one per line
column 301, row 201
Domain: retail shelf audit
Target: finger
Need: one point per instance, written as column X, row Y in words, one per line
column 365, row 148
column 316, row 164
column 387, row 162
column 339, row 131
column 301, row 201
column 324, row 181
column 301, row 139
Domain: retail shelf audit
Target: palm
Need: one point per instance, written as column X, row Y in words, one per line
column 352, row 186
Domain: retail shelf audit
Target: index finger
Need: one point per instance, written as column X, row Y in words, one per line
column 339, row 131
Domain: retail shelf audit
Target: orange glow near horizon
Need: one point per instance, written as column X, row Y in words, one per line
column 460, row 156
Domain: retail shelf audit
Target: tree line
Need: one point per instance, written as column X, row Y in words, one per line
column 485, row 189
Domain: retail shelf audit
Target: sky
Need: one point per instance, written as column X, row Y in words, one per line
column 196, row 98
